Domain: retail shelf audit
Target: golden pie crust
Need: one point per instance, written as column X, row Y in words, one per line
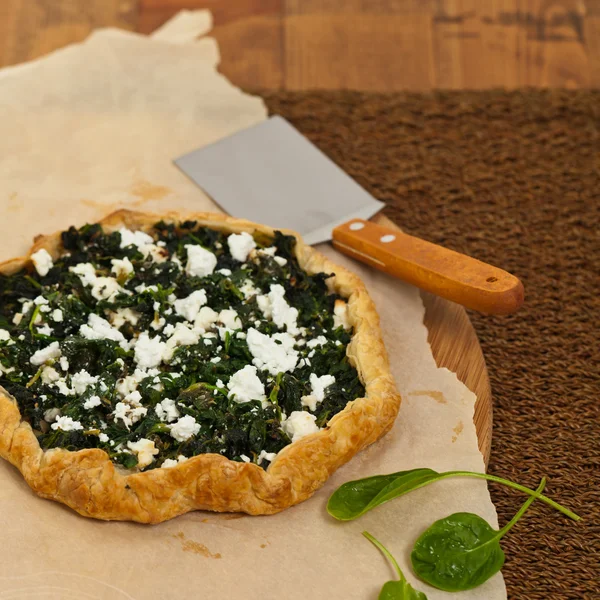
column 91, row 484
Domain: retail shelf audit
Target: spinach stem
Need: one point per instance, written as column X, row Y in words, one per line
column 515, row 486
column 385, row 552
column 522, row 510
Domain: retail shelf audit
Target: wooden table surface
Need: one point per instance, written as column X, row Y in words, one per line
column 379, row 45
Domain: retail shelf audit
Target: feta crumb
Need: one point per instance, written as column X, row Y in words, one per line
column 66, row 424
column 244, row 385
column 185, row 428
column 107, row 288
column 86, row 272
column 280, row 261
column 275, row 306
column 129, row 414
column 169, row 462
column 269, row 354
column 182, row 336
column 92, row 402
column 230, row 319
column 200, row 262
column 45, row 330
column 247, row 288
column 145, row 450
column 299, row 424
column 340, row 314
column 124, row 315
column 189, row 307
column 57, row 315
column 49, row 375
column 42, row 261
column 318, row 387
column 206, row 318
column 270, row 456
column 103, row 438
column 4, row 335
column 245, row 458
column 149, row 351
column 240, row 245
column 50, row 352
column 18, row 317
column 98, row 328
column 82, row 380
column 121, row 268
column 134, row 238
column 215, row 360
column 318, row 341
column 39, row 300
column 143, row 288
column 166, row 410
column 225, row 272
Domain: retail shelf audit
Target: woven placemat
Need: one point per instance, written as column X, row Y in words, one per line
column 513, row 179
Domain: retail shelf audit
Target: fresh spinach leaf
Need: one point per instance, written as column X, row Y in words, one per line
column 354, row 498
column 395, row 590
column 462, row 551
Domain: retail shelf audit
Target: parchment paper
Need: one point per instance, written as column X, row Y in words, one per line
column 95, row 126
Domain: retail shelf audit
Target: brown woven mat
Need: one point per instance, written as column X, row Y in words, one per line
column 513, row 179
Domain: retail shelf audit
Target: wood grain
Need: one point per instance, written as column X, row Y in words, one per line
column 455, row 346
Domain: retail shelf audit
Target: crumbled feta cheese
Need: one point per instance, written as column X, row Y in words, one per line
column 166, row 410
column 45, row 308
column 230, row 319
column 107, row 288
column 245, row 458
column 240, row 335
column 64, row 363
column 340, row 314
column 143, row 288
column 92, row 402
column 17, row 318
column 270, row 456
column 299, row 424
column 103, row 438
column 280, row 261
column 275, row 306
column 63, row 388
column 66, row 424
column 269, row 354
column 158, row 322
column 98, row 328
column 200, row 262
column 121, row 268
column 247, row 288
column 145, row 451
column 124, row 315
column 206, row 318
column 189, row 307
column 169, row 462
column 240, row 245
column 182, row 336
column 39, row 300
column 149, row 351
column 82, row 380
column 50, row 352
column 319, row 341
column 318, row 386
column 45, row 330
column 309, row 401
column 42, row 261
column 220, row 383
column 244, row 385
column 215, row 359
column 225, row 272
column 49, row 375
column 129, row 414
column 185, row 428
column 86, row 272
column 57, row 315
column 4, row 335
column 51, row 415
column 134, row 238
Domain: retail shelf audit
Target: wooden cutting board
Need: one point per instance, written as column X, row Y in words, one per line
column 455, row 346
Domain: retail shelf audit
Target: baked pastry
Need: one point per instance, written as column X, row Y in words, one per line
column 152, row 365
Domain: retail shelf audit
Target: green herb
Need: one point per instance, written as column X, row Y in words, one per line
column 355, row 498
column 462, row 551
column 395, row 590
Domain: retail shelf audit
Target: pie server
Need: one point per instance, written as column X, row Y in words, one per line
column 270, row 173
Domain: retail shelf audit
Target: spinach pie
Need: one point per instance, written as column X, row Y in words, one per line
column 151, row 365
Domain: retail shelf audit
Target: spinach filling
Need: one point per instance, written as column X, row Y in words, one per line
column 164, row 371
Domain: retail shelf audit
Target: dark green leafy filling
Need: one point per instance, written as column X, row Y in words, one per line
column 192, row 378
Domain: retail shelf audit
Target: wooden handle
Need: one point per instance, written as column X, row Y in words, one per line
column 443, row 272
